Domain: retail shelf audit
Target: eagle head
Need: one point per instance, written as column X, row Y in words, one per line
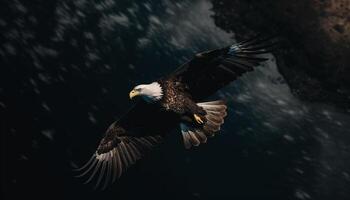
column 149, row 92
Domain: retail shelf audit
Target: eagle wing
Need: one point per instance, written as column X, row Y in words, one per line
column 124, row 142
column 209, row 71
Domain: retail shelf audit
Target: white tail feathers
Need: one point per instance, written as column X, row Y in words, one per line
column 215, row 113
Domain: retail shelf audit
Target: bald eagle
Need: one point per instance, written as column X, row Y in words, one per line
column 174, row 101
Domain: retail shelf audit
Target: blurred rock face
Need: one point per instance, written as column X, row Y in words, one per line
column 316, row 58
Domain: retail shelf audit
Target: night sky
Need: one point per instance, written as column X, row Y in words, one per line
column 66, row 69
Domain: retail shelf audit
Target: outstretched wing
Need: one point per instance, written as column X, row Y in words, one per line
column 125, row 141
column 209, row 71
column 115, row 154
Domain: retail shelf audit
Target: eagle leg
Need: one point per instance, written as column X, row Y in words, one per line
column 198, row 119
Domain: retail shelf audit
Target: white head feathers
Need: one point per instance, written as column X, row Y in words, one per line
column 150, row 92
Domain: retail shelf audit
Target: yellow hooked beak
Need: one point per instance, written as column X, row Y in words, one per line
column 133, row 93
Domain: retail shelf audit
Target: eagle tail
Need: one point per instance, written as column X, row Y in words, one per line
column 214, row 118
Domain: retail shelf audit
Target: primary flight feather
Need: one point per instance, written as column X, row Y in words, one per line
column 174, row 101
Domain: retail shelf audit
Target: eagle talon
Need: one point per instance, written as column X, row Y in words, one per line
column 198, row 119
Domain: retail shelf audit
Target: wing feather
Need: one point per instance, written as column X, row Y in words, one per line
column 209, row 71
column 116, row 152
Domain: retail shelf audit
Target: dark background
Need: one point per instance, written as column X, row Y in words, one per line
column 67, row 68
